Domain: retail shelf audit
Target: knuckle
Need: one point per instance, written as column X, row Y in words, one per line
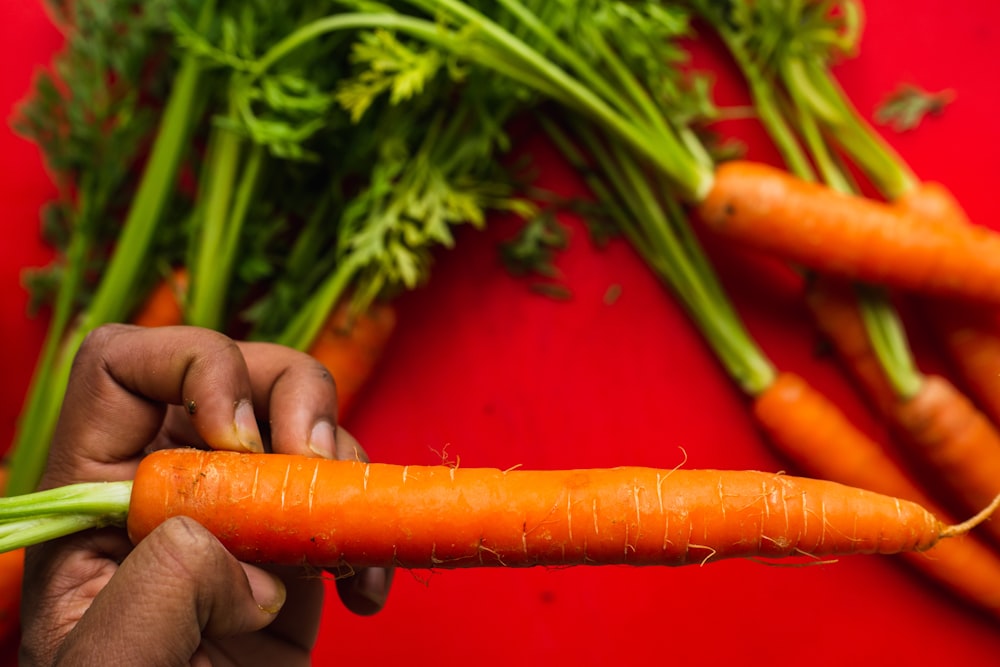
column 98, row 340
column 183, row 548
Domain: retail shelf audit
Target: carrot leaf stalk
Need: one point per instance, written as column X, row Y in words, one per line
column 32, row 518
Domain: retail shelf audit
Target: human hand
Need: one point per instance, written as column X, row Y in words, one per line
column 179, row 597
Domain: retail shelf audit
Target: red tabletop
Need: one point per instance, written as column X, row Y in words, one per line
column 488, row 372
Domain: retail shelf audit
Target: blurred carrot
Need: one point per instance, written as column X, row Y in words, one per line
column 955, row 440
column 804, row 427
column 967, row 334
column 163, row 305
column 969, row 337
column 350, row 346
column 815, row 226
column 933, row 202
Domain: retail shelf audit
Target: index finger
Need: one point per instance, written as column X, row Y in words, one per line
column 123, row 377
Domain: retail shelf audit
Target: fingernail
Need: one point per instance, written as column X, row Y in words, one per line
column 268, row 590
column 246, row 428
column 322, row 440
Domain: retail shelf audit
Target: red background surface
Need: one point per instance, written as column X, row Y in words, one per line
column 501, row 376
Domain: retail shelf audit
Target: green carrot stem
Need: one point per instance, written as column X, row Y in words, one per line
column 764, row 102
column 36, row 399
column 664, row 150
column 309, row 321
column 890, row 174
column 656, row 228
column 102, row 498
column 811, row 98
column 882, row 323
column 203, row 304
column 888, row 338
column 37, row 517
column 227, row 202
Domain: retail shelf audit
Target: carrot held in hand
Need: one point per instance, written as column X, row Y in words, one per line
column 292, row 510
column 817, row 227
column 274, row 508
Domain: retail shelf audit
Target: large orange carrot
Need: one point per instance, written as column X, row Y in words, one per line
column 287, row 509
column 817, row 227
column 350, row 346
column 816, row 437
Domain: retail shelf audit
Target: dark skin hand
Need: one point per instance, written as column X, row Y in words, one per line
column 179, row 597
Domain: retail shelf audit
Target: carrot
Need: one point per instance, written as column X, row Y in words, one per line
column 817, row 227
column 295, row 510
column 933, row 202
column 163, row 305
column 815, row 436
column 970, row 339
column 957, row 442
column 350, row 346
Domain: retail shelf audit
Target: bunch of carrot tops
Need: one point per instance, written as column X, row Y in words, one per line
column 286, row 161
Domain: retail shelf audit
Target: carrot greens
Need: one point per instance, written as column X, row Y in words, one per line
column 255, row 163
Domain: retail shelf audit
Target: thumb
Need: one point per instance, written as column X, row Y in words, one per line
column 178, row 585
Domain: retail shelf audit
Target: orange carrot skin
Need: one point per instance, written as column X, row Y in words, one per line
column 812, row 225
column 295, row 510
column 933, row 202
column 815, row 436
column 350, row 346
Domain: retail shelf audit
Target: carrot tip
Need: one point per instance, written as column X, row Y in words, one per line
column 969, row 524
